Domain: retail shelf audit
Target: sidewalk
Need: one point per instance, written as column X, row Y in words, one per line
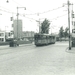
column 7, row 46
column 71, row 51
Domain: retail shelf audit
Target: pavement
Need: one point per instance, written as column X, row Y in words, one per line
column 46, row 60
column 7, row 46
column 67, row 49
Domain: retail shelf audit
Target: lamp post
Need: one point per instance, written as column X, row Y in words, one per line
column 7, row 1
column 17, row 19
column 69, row 25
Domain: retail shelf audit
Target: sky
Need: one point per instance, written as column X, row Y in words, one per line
column 52, row 10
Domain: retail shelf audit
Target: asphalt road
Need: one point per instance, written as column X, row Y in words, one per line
column 52, row 59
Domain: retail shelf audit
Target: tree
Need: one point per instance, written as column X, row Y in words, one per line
column 66, row 32
column 61, row 32
column 45, row 26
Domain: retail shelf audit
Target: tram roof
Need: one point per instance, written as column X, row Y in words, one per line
column 44, row 34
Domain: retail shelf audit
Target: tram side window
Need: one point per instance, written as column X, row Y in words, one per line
column 43, row 37
column 50, row 37
column 37, row 37
column 53, row 37
column 47, row 37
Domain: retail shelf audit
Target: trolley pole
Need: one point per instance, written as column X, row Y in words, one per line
column 69, row 25
column 39, row 24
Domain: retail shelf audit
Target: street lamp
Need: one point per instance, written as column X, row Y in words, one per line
column 7, row 1
column 17, row 19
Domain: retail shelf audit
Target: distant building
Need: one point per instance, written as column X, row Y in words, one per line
column 28, row 35
column 9, row 35
column 5, row 36
column 17, row 29
column 2, row 36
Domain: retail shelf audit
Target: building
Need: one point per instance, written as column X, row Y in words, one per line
column 2, row 36
column 17, row 28
column 9, row 35
column 28, row 35
column 5, row 36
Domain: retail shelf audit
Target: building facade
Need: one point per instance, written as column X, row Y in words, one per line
column 9, row 35
column 5, row 36
column 28, row 35
column 2, row 36
column 17, row 28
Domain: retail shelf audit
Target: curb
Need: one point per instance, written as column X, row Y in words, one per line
column 70, row 51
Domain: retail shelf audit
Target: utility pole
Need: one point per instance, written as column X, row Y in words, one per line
column 39, row 26
column 17, row 22
column 72, row 15
column 17, row 19
column 68, row 3
column 69, row 24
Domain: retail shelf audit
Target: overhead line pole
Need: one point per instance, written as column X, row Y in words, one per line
column 17, row 22
column 72, row 15
column 69, row 25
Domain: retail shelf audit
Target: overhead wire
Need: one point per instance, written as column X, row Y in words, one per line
column 56, row 17
column 50, row 19
column 39, row 12
column 51, row 10
column 33, row 13
column 45, row 11
column 16, row 2
column 59, row 17
column 28, row 17
column 8, row 11
column 21, row 5
column 4, row 8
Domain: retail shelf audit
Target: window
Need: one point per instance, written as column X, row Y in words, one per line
column 1, row 34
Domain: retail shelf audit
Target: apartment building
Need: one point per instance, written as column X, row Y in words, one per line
column 5, row 36
column 2, row 36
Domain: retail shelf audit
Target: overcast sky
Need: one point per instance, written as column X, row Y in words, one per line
column 50, row 9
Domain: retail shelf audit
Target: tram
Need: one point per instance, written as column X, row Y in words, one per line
column 44, row 39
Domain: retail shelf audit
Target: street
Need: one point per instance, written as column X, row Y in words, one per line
column 52, row 59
